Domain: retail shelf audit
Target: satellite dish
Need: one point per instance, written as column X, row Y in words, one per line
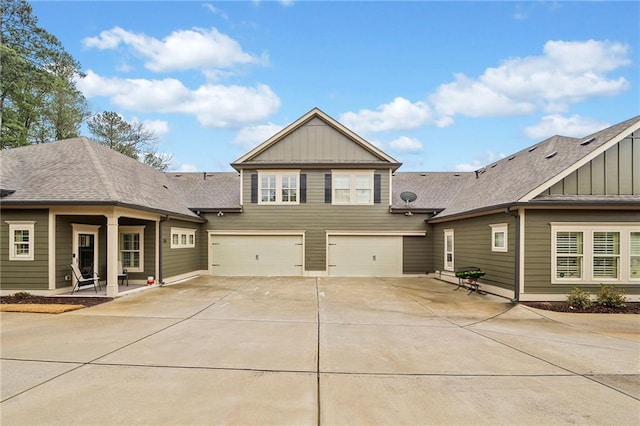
column 408, row 197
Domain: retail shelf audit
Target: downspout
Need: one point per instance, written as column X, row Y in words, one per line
column 160, row 242
column 516, row 275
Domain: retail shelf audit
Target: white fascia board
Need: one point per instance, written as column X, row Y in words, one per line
column 566, row 172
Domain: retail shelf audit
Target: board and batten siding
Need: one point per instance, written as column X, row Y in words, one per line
column 614, row 172
column 178, row 261
column 25, row 274
column 472, row 247
column 538, row 250
column 315, row 218
column 316, row 141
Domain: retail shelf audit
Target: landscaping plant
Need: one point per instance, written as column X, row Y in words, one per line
column 611, row 296
column 579, row 299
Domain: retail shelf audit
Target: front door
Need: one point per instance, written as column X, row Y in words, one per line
column 448, row 250
column 85, row 248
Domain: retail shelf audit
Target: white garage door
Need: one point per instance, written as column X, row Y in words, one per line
column 371, row 256
column 255, row 255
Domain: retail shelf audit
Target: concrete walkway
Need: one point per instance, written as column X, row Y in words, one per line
column 309, row 351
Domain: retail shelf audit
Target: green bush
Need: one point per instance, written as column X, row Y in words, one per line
column 22, row 295
column 611, row 296
column 578, row 298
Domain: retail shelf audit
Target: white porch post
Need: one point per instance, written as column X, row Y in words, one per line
column 112, row 255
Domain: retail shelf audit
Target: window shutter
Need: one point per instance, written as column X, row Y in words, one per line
column 327, row 188
column 303, row 188
column 254, row 188
column 376, row 188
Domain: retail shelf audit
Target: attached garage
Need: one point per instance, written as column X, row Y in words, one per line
column 256, row 255
column 364, row 255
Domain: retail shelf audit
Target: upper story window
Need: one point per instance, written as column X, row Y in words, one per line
column 352, row 187
column 21, row 235
column 278, row 187
column 183, row 238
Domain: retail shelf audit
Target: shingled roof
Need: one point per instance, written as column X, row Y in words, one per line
column 80, row 172
column 209, row 191
column 511, row 179
column 434, row 190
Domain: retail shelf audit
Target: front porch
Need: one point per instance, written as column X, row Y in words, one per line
column 123, row 290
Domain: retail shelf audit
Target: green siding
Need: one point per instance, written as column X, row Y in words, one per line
column 25, row 275
column 416, row 255
column 315, row 217
column 537, row 267
column 472, row 247
column 178, row 261
column 614, row 172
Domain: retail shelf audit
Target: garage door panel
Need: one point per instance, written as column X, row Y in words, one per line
column 351, row 255
column 256, row 255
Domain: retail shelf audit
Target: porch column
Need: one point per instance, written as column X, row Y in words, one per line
column 112, row 255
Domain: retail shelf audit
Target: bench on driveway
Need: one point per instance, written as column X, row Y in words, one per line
column 468, row 278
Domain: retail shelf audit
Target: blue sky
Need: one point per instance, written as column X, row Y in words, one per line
column 437, row 85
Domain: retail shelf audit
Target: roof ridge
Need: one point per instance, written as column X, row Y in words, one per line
column 105, row 179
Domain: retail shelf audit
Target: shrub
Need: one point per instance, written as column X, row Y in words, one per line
column 578, row 298
column 611, row 296
column 22, row 295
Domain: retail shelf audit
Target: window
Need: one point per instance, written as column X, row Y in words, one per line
column 606, row 254
column 634, row 256
column 592, row 253
column 499, row 239
column 278, row 187
column 21, row 235
column 132, row 248
column 448, row 249
column 352, row 187
column 183, row 238
column 569, row 254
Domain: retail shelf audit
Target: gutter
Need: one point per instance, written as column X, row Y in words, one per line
column 516, row 274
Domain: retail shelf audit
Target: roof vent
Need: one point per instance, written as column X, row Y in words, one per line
column 587, row 142
column 533, row 148
column 165, row 186
column 512, row 157
column 494, row 165
column 551, row 155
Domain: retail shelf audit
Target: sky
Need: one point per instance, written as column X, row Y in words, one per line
column 439, row 86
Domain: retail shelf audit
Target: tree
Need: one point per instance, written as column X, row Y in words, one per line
column 132, row 139
column 38, row 98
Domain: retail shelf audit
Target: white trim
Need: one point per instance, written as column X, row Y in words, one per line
column 278, row 174
column 52, row 251
column 445, row 265
column 390, row 188
column 588, row 229
column 21, row 225
column 241, row 187
column 250, row 232
column 353, row 196
column 180, row 232
column 575, row 166
column 132, row 229
column 500, row 228
column 522, row 246
column 379, row 233
column 91, row 230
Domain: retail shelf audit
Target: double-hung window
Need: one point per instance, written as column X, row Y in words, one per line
column 593, row 253
column 132, row 248
column 21, row 235
column 352, row 187
column 277, row 187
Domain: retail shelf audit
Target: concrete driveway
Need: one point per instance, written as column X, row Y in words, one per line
column 318, row 351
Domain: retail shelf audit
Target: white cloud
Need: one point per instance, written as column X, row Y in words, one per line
column 197, row 48
column 252, row 136
column 158, row 127
column 213, row 105
column 479, row 162
column 400, row 114
column 211, row 8
column 406, row 144
column 566, row 73
column 575, row 126
column 184, row 168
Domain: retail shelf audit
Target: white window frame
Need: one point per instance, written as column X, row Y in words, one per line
column 353, row 176
column 634, row 258
column 588, row 230
column 28, row 226
column 279, row 175
column 186, row 238
column 132, row 230
column 500, row 228
column 449, row 265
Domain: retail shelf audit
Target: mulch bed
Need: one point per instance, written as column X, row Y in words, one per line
column 53, row 300
column 631, row 308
